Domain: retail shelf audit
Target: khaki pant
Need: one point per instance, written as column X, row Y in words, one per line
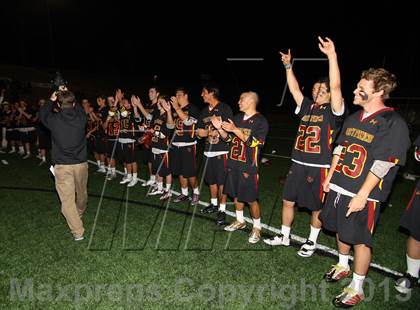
column 71, row 185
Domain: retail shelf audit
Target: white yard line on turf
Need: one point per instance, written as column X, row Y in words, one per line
column 278, row 231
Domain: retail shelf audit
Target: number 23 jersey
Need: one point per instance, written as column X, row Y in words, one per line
column 381, row 136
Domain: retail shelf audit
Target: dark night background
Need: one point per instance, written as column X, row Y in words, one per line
column 130, row 42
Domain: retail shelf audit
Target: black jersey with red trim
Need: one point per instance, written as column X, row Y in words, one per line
column 113, row 128
column 317, row 130
column 244, row 155
column 153, row 110
column 214, row 144
column 90, row 125
column 128, row 126
column 186, row 133
column 161, row 133
column 381, row 136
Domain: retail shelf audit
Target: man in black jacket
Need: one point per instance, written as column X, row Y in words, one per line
column 67, row 124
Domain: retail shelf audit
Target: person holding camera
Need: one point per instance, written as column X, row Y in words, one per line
column 67, row 120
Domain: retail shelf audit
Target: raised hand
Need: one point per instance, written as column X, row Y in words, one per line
column 166, row 106
column 175, row 103
column 228, row 126
column 286, row 58
column 216, row 122
column 326, row 46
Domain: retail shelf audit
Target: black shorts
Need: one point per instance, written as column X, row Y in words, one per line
column 44, row 141
column 241, row 185
column 215, row 169
column 304, row 186
column 110, row 148
column 127, row 152
column 12, row 135
column 147, row 154
column 160, row 164
column 28, row 137
column 100, row 144
column 91, row 144
column 183, row 161
column 358, row 228
column 411, row 217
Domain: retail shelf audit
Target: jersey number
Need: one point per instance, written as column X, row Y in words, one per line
column 237, row 152
column 308, row 142
column 358, row 161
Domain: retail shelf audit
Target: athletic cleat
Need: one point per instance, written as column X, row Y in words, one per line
column 126, row 180
column 133, row 182
column 181, row 198
column 166, row 195
column 43, row 162
column 101, row 170
column 211, row 208
column 278, row 240
column 26, row 156
column 221, row 218
column 337, row 273
column 307, row 249
column 195, row 199
column 236, row 225
column 12, row 151
column 405, row 284
column 255, row 235
column 80, row 238
column 111, row 176
column 155, row 191
column 148, row 183
column 349, row 297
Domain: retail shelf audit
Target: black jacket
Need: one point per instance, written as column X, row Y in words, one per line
column 67, row 133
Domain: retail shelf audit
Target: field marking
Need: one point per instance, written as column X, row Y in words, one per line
column 294, row 237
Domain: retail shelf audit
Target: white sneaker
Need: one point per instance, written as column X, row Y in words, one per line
column 4, row 162
column 26, row 156
column 156, row 191
column 132, row 182
column 126, row 180
column 166, row 195
column 21, row 153
column 111, row 176
column 255, row 235
column 307, row 249
column 101, row 170
column 278, row 240
column 12, row 151
column 148, row 183
column 42, row 162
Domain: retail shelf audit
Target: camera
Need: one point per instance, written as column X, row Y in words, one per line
column 58, row 81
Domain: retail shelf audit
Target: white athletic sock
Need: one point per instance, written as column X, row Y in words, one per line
column 285, row 230
column 21, row 149
column 240, row 216
column 113, row 170
column 196, row 191
column 98, row 162
column 102, row 164
column 357, row 283
column 257, row 223
column 13, row 148
column 160, row 186
column 184, row 191
column 134, row 175
column 213, row 201
column 222, row 207
column 125, row 170
column 168, row 187
column 313, row 236
column 153, row 178
column 44, row 158
column 129, row 176
column 413, row 266
column 343, row 260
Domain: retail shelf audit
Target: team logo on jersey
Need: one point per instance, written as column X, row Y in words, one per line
column 309, row 179
column 373, row 121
